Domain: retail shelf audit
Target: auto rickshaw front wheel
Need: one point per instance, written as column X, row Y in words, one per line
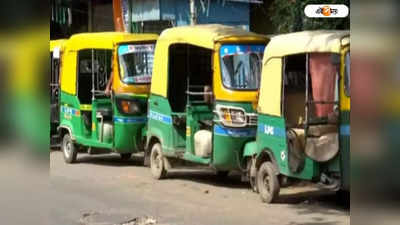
column 69, row 149
column 157, row 165
column 267, row 182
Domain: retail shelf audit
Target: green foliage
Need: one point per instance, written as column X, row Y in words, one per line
column 288, row 16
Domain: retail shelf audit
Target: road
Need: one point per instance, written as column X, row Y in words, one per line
column 103, row 190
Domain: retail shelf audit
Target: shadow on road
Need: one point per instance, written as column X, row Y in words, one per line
column 109, row 160
column 316, row 223
column 210, row 178
column 316, row 202
column 306, row 202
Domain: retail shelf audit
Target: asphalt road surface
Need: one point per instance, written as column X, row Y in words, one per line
column 103, row 190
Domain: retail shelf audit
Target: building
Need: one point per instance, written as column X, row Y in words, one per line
column 76, row 16
column 156, row 15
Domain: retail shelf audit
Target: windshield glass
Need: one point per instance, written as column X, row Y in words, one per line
column 136, row 63
column 241, row 66
column 347, row 80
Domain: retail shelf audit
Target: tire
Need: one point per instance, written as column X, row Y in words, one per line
column 252, row 180
column 157, row 166
column 69, row 149
column 267, row 182
column 126, row 156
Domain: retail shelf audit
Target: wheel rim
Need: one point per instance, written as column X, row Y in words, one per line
column 251, row 179
column 266, row 183
column 68, row 149
column 156, row 161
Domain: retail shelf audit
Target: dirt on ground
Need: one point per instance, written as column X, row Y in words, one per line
column 103, row 190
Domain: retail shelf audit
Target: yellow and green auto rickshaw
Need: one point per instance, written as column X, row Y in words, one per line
column 91, row 116
column 203, row 97
column 56, row 49
column 303, row 113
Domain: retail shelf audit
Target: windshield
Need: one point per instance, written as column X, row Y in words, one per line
column 241, row 66
column 136, row 63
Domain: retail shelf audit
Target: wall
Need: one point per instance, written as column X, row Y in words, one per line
column 103, row 16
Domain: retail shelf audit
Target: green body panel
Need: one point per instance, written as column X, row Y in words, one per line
column 271, row 136
column 70, row 116
column 250, row 149
column 178, row 140
column 159, row 123
column 127, row 130
column 196, row 159
column 229, row 143
column 228, row 149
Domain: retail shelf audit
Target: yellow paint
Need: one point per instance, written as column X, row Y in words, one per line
column 68, row 72
column 22, row 54
column 345, row 100
column 270, row 88
column 159, row 80
column 188, row 131
column 206, row 36
column 305, row 42
column 86, row 107
column 105, row 40
column 57, row 43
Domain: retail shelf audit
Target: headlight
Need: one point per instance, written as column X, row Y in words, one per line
column 232, row 116
column 129, row 107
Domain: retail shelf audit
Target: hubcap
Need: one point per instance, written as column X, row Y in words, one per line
column 68, row 149
column 157, row 160
column 266, row 182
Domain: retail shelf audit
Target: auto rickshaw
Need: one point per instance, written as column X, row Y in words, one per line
column 303, row 113
column 203, row 97
column 89, row 118
column 56, row 49
column 25, row 83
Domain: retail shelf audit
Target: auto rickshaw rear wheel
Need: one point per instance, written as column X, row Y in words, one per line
column 267, row 182
column 157, row 165
column 69, row 149
column 126, row 156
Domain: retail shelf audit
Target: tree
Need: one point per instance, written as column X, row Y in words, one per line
column 288, row 16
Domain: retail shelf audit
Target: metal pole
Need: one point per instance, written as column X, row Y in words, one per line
column 93, row 85
column 307, row 92
column 193, row 14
